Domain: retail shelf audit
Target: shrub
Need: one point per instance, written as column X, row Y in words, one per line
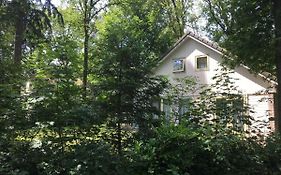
column 185, row 150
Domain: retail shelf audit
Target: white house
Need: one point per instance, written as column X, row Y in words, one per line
column 194, row 56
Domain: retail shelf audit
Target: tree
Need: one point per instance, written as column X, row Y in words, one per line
column 89, row 11
column 126, row 52
column 30, row 19
column 6, row 33
column 276, row 8
column 180, row 15
column 249, row 30
column 55, row 105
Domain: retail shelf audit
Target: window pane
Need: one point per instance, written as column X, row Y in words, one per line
column 178, row 65
column 202, row 63
column 230, row 110
column 167, row 110
column 183, row 106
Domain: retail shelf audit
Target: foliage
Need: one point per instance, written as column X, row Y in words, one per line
column 29, row 22
column 180, row 15
column 184, row 149
column 220, row 104
column 202, row 144
column 124, row 86
column 236, row 24
column 159, row 156
column 272, row 153
column 47, row 127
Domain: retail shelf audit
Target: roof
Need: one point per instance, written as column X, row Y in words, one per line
column 212, row 45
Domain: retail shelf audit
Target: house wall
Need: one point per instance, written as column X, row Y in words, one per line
column 246, row 82
column 262, row 106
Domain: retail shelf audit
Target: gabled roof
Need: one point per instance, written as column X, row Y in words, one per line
column 213, row 46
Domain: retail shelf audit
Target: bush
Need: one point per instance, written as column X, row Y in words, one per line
column 272, row 154
column 183, row 150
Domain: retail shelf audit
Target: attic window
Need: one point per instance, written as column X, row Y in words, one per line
column 178, row 65
column 202, row 63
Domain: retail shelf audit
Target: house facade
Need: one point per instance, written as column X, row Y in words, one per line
column 195, row 56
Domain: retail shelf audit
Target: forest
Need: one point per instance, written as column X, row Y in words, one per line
column 77, row 88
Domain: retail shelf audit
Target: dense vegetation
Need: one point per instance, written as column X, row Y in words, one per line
column 235, row 24
column 76, row 93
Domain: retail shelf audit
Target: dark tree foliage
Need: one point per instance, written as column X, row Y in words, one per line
column 245, row 29
column 90, row 11
column 126, row 54
column 47, row 127
column 30, row 21
column 250, row 31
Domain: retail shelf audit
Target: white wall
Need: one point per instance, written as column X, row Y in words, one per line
column 260, row 105
column 248, row 83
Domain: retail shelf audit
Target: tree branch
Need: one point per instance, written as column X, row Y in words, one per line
column 211, row 9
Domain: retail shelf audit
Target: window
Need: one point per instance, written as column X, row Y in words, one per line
column 231, row 110
column 183, row 106
column 202, row 63
column 178, row 65
column 175, row 111
column 167, row 110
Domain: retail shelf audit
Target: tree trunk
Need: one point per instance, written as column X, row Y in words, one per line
column 86, row 60
column 277, row 22
column 119, row 112
column 19, row 38
column 119, row 138
column 86, row 48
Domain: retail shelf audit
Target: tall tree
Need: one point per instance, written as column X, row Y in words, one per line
column 129, row 43
column 276, row 8
column 6, row 33
column 57, row 98
column 30, row 19
column 179, row 14
column 89, row 10
column 251, row 31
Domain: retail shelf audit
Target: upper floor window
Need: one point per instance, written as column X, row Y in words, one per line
column 202, row 63
column 178, row 65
